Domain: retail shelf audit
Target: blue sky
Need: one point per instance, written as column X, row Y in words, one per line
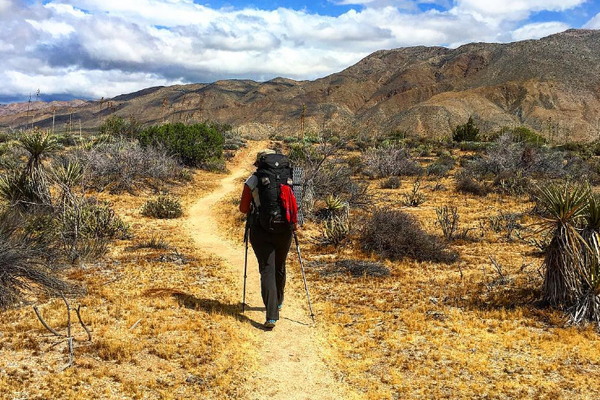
column 102, row 48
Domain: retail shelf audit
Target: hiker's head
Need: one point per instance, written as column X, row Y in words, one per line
column 261, row 154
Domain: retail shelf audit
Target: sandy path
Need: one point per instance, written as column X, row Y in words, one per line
column 291, row 365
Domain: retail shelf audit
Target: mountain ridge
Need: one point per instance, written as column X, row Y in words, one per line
column 551, row 85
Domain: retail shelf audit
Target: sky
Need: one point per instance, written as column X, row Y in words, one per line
column 92, row 49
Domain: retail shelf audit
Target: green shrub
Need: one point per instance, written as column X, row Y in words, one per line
column 466, row 133
column 195, row 145
column 164, row 206
column 116, row 126
column 442, row 166
column 523, row 134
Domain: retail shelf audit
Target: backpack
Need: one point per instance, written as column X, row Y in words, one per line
column 273, row 173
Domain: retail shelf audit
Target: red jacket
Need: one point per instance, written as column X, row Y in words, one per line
column 246, row 200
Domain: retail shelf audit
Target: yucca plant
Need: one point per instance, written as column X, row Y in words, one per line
column 68, row 174
column 564, row 208
column 19, row 190
column 38, row 144
column 587, row 306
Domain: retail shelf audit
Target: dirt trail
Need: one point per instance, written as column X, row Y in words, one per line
column 291, row 365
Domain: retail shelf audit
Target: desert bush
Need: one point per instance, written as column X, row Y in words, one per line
column 119, row 127
column 523, row 134
column 164, row 206
column 233, row 141
column 466, row 133
column 505, row 155
column 513, row 183
column 126, row 166
column 86, row 227
column 397, row 235
column 195, row 145
column 66, row 140
column 473, row 146
column 385, row 162
column 442, row 166
column 466, row 183
column 326, row 173
column 393, row 182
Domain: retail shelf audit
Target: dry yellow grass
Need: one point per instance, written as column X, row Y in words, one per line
column 426, row 331
column 454, row 331
column 162, row 321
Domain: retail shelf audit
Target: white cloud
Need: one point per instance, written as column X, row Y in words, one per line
column 54, row 28
column 79, row 83
column 538, row 30
column 497, row 13
column 89, row 45
column 593, row 23
column 516, row 8
column 5, row 5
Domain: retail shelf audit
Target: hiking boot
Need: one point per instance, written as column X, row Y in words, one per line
column 270, row 324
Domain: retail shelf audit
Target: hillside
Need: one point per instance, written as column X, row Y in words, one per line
column 551, row 85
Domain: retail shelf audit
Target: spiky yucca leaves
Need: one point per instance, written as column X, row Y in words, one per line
column 564, row 208
column 587, row 306
column 20, row 190
column 38, row 144
column 68, row 174
column 24, row 263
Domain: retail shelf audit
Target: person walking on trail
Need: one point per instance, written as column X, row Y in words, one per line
column 271, row 209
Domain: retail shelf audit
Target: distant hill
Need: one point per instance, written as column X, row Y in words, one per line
column 551, row 85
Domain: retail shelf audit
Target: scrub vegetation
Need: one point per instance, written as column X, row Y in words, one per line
column 481, row 281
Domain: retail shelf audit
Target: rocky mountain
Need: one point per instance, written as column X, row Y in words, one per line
column 551, row 85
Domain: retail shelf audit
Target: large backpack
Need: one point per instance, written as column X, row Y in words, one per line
column 273, row 170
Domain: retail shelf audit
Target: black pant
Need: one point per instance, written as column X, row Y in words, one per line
column 271, row 250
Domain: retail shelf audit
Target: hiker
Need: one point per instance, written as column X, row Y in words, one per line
column 271, row 207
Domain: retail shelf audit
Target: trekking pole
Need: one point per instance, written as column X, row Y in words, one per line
column 312, row 315
column 246, row 231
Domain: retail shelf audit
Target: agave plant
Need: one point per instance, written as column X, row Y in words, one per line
column 564, row 209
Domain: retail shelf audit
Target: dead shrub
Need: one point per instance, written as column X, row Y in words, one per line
column 393, row 182
column 397, row 235
column 466, row 183
column 125, row 166
column 390, row 161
